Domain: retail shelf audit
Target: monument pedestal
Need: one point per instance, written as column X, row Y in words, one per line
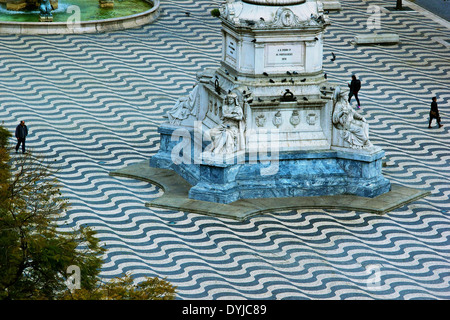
column 249, row 175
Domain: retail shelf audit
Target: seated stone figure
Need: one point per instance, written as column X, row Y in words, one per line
column 228, row 137
column 184, row 107
column 353, row 127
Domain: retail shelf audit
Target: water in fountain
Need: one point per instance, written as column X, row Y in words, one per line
column 89, row 9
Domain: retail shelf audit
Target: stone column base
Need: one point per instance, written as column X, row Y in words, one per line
column 335, row 171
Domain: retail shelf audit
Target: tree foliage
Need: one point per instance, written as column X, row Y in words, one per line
column 4, row 167
column 123, row 288
column 215, row 13
column 35, row 254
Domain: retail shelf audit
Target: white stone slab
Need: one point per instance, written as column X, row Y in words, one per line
column 377, row 38
column 331, row 5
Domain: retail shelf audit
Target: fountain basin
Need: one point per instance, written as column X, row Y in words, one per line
column 88, row 26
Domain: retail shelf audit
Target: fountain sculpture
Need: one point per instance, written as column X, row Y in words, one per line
column 45, row 10
column 19, row 5
column 75, row 16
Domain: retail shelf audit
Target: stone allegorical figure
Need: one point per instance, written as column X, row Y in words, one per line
column 184, row 107
column 228, row 137
column 45, row 8
column 353, row 127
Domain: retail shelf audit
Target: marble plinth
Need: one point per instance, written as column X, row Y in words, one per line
column 246, row 175
column 386, row 38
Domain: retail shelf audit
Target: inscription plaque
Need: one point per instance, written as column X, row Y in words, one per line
column 230, row 50
column 280, row 55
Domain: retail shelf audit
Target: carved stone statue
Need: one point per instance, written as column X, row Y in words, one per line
column 45, row 8
column 184, row 107
column 353, row 127
column 228, row 137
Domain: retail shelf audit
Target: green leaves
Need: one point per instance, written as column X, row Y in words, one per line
column 4, row 167
column 215, row 13
column 124, row 288
column 35, row 254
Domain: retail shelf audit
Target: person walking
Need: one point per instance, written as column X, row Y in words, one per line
column 434, row 113
column 21, row 134
column 354, row 86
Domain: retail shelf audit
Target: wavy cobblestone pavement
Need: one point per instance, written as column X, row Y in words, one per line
column 93, row 104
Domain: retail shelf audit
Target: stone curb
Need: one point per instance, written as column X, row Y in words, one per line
column 92, row 26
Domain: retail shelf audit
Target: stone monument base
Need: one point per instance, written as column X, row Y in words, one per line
column 305, row 173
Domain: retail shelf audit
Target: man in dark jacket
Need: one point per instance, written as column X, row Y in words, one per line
column 354, row 86
column 434, row 113
column 21, row 134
